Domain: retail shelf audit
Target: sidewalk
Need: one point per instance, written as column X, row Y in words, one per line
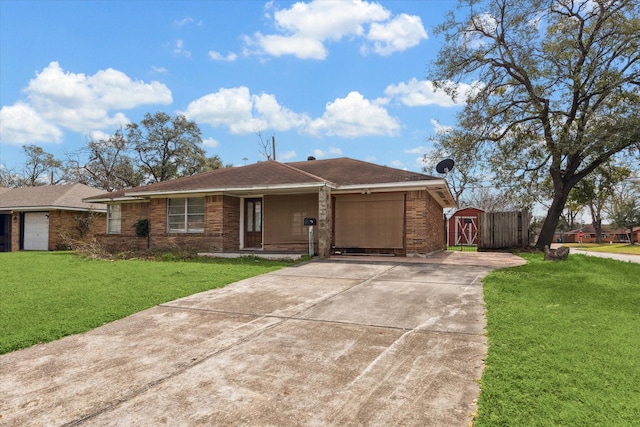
column 619, row 257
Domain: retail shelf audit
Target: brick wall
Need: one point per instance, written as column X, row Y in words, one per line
column 127, row 239
column 291, row 247
column 221, row 229
column 424, row 227
column 64, row 226
column 15, row 232
column 67, row 226
column 424, row 224
column 231, row 224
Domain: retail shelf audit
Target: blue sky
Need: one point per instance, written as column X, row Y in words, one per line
column 328, row 78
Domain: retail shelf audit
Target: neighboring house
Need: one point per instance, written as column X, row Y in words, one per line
column 609, row 235
column 462, row 227
column 41, row 218
column 359, row 207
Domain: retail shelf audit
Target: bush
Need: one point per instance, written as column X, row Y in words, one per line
column 142, row 227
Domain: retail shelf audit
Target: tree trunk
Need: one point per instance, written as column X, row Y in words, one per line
column 597, row 223
column 551, row 221
column 597, row 227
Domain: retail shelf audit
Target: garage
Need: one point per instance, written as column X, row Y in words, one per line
column 36, row 231
column 369, row 221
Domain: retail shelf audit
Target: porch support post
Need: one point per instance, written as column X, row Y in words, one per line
column 325, row 222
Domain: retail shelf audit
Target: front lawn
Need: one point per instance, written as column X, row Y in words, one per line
column 563, row 344
column 47, row 295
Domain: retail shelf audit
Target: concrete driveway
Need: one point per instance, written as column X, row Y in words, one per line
column 350, row 341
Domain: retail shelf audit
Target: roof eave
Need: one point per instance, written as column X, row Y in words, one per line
column 114, row 199
column 53, row 208
column 234, row 190
column 437, row 188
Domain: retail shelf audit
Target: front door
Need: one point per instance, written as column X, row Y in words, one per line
column 253, row 223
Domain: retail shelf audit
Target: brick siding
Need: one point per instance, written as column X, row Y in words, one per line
column 66, row 226
column 424, row 227
column 127, row 239
column 424, row 224
column 221, row 229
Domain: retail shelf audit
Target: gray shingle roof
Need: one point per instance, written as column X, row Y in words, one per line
column 64, row 197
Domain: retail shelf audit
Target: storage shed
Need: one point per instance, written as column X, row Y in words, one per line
column 462, row 227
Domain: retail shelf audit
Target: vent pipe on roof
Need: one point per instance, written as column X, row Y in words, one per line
column 310, row 158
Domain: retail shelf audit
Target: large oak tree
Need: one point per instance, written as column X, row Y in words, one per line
column 167, row 147
column 557, row 88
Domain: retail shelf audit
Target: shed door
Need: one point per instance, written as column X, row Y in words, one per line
column 369, row 221
column 466, row 230
column 36, row 231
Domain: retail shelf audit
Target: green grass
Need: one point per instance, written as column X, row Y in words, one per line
column 463, row 248
column 564, row 344
column 45, row 296
column 617, row 248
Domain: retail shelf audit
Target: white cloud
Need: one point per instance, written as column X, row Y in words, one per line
column 287, row 155
column 301, row 47
column 21, row 124
column 304, row 29
column 401, row 33
column 184, row 21
column 179, row 50
column 217, row 56
column 324, row 20
column 210, row 142
column 333, row 151
column 242, row 112
column 417, row 150
column 420, row 93
column 354, row 116
column 82, row 103
column 227, row 107
column 423, row 163
column 159, row 70
column 396, row 164
column 78, row 102
column 98, row 135
column 277, row 116
column 440, row 128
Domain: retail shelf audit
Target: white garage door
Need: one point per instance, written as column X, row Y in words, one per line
column 36, row 231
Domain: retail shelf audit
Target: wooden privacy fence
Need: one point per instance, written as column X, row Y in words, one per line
column 503, row 230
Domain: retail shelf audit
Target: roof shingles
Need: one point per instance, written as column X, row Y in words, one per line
column 258, row 174
column 338, row 172
column 346, row 171
column 68, row 196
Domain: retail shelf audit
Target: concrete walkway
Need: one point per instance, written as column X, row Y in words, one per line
column 341, row 342
column 619, row 257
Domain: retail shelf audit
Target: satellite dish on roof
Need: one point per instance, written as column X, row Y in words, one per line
column 445, row 166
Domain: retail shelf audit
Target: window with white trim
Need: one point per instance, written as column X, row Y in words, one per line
column 114, row 219
column 185, row 215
